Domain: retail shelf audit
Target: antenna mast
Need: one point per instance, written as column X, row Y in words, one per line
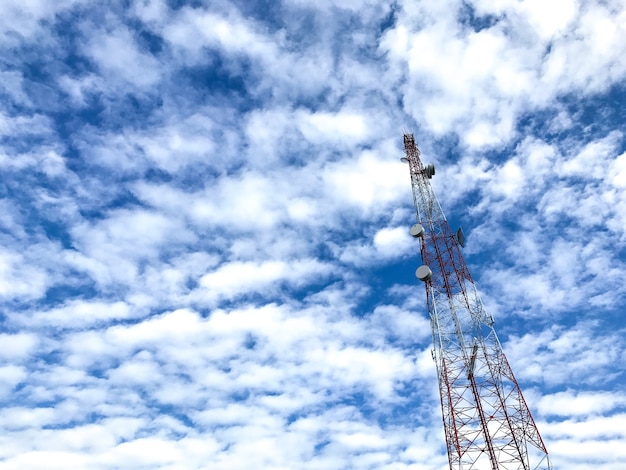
column 487, row 423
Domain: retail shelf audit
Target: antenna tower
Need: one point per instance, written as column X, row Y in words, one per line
column 486, row 420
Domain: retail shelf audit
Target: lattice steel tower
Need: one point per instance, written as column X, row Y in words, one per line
column 487, row 423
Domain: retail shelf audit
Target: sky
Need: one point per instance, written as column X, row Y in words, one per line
column 204, row 257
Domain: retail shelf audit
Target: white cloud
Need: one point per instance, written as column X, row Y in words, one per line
column 78, row 314
column 478, row 82
column 591, row 44
column 390, row 240
column 546, row 21
column 193, row 29
column 238, row 278
column 150, row 10
column 10, row 377
column 18, row 278
column 18, row 346
column 592, row 442
column 579, row 404
column 26, row 19
column 559, row 356
column 79, row 89
column 13, row 84
column 386, row 245
column 592, row 160
column 168, row 150
column 110, row 249
column 26, row 125
column 329, row 127
column 367, row 181
column 118, row 56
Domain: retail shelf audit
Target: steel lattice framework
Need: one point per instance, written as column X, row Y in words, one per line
column 487, row 423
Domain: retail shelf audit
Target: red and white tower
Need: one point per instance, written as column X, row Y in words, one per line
column 487, row 423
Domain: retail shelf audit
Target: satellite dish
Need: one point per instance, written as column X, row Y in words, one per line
column 460, row 236
column 423, row 273
column 417, row 231
column 404, row 160
column 430, row 170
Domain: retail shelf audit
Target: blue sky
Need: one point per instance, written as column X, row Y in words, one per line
column 205, row 259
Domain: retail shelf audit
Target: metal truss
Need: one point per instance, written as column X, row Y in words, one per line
column 487, row 423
